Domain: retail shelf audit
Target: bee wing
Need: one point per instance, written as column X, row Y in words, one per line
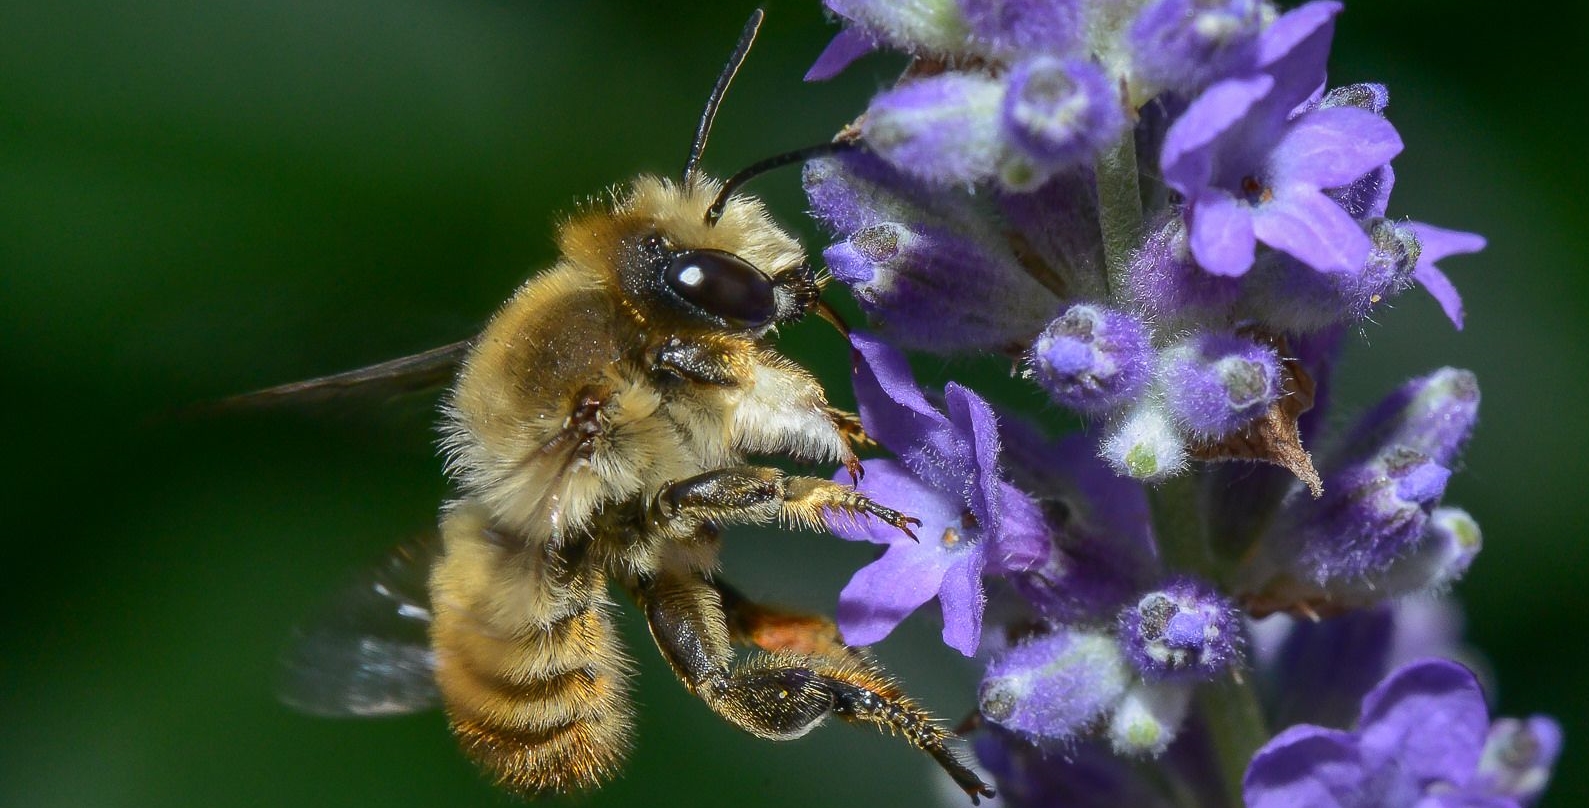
column 367, row 651
column 426, row 370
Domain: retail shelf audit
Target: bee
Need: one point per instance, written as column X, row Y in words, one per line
column 597, row 432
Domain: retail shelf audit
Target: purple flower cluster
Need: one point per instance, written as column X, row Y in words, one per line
column 1165, row 214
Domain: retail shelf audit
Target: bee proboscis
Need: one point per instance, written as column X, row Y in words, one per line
column 597, row 431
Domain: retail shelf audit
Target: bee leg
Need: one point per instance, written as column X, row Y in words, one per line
column 754, row 494
column 776, row 630
column 781, row 696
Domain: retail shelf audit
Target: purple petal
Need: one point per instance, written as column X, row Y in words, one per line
column 960, row 596
column 1294, row 50
column 1330, row 148
column 1023, row 541
column 892, row 407
column 972, row 416
column 1306, row 767
column 1436, row 243
column 1428, row 719
column 1222, row 234
column 847, row 46
column 885, row 592
column 1187, row 157
column 1312, row 228
column 889, row 482
column 1444, row 291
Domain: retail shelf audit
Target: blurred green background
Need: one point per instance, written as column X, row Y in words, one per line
column 199, row 198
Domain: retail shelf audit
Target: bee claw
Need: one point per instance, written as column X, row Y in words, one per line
column 852, row 464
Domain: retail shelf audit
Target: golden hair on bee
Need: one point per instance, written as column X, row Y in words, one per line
column 599, row 431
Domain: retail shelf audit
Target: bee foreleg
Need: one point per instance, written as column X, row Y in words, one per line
column 784, row 695
column 720, row 361
column 754, row 494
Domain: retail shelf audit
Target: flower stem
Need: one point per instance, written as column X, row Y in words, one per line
column 1119, row 210
column 1236, row 725
column 1178, row 527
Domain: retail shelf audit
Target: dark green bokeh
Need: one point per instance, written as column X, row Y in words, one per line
column 204, row 197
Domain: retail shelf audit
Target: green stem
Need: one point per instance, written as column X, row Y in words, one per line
column 1119, row 210
column 1178, row 526
column 1236, row 725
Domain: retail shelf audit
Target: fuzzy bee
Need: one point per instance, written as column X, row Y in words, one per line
column 598, row 431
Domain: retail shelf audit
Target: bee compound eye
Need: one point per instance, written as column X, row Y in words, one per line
column 724, row 285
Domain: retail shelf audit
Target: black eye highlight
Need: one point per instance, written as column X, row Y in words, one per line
column 724, row 285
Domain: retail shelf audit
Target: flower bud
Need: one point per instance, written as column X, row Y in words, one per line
column 1166, row 281
column 1058, row 113
column 933, row 25
column 1183, row 45
column 1184, row 631
column 936, row 288
column 1146, row 446
column 1371, row 514
column 1288, row 294
column 1006, row 29
column 1518, row 756
column 1432, row 415
column 1148, row 718
column 1093, row 359
column 1215, row 384
column 1054, row 685
column 942, row 129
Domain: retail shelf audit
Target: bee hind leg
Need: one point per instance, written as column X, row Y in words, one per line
column 783, row 695
column 778, row 630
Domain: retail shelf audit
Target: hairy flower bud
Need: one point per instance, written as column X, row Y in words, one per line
column 935, row 288
column 1183, row 45
column 1518, row 757
column 1094, row 359
column 1148, row 717
column 1217, row 383
column 1146, row 446
column 1054, row 685
column 1183, row 631
column 1057, row 113
column 942, row 129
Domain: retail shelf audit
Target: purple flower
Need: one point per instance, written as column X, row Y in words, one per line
column 1249, row 172
column 1182, row 631
column 947, row 476
column 1215, row 384
column 1094, row 359
column 1421, row 739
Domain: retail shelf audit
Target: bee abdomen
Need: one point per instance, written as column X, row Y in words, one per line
column 545, row 711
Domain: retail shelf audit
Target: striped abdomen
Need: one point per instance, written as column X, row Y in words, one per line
column 546, row 710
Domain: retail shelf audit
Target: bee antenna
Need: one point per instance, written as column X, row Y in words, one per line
column 760, row 167
column 715, row 100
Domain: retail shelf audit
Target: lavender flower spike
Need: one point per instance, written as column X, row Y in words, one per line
column 1420, row 740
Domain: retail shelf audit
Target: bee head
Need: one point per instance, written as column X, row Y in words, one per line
column 741, row 273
